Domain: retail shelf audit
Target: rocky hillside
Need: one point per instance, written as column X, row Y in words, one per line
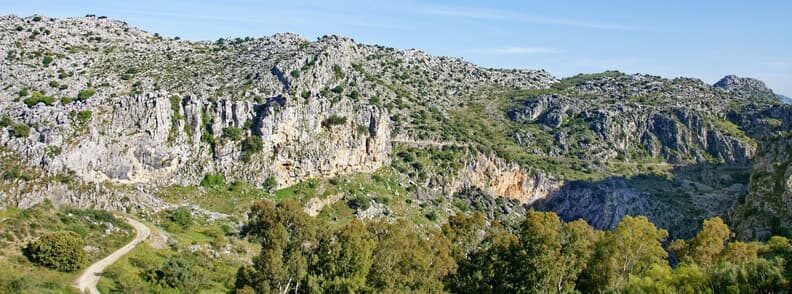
column 100, row 113
column 766, row 209
column 108, row 102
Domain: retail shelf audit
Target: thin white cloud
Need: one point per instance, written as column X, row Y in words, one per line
column 504, row 15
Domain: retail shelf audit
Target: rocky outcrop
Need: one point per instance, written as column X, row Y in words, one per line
column 632, row 132
column 142, row 139
column 735, row 83
column 497, row 177
column 767, row 207
column 747, row 87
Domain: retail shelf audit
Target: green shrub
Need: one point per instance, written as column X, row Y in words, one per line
column 5, row 121
column 175, row 102
column 251, row 145
column 432, row 215
column 62, row 251
column 83, row 116
column 354, row 95
column 47, row 60
column 213, row 181
column 232, row 133
column 338, row 74
column 270, row 184
column 306, row 94
column 181, row 216
column 20, row 130
column 54, row 84
column 23, row 93
column 37, row 18
column 178, row 273
column 362, row 130
column 295, row 73
column 338, row 89
column 360, row 202
column 66, row 100
column 334, row 120
column 15, row 172
column 85, row 94
column 37, row 98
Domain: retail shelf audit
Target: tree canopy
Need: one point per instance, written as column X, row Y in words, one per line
column 471, row 254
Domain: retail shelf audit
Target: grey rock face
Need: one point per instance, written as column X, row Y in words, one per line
column 676, row 134
column 166, row 111
column 733, row 83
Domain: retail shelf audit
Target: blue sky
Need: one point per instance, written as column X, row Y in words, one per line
column 702, row 39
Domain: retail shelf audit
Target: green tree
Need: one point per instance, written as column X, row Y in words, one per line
column 538, row 265
column 706, row 246
column 755, row 276
column 38, row 97
column 179, row 272
column 490, row 267
column 742, row 252
column 288, row 239
column 251, row 145
column 660, row 278
column 553, row 252
column 405, row 262
column 59, row 250
column 270, row 184
column 344, row 260
column 465, row 232
column 631, row 249
column 579, row 239
column 214, row 181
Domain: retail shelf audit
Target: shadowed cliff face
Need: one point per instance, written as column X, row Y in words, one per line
column 688, row 195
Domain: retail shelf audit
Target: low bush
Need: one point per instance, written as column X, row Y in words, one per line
column 85, row 94
column 62, row 251
column 251, row 145
column 38, row 97
column 334, row 120
column 181, row 216
column 213, row 181
column 232, row 133
column 47, row 60
column 20, row 130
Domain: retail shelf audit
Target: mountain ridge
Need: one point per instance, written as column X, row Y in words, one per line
column 107, row 103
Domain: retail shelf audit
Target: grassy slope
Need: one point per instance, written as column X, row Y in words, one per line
column 18, row 227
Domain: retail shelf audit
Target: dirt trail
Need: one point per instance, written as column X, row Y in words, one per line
column 87, row 281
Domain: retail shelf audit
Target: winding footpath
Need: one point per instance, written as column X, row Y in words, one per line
column 87, row 281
